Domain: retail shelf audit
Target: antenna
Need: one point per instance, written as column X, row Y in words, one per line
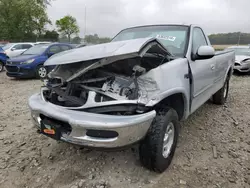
column 85, row 22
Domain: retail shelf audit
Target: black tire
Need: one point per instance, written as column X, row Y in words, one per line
column 220, row 97
column 151, row 148
column 38, row 73
column 1, row 66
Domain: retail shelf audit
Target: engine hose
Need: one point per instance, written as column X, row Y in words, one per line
column 134, row 94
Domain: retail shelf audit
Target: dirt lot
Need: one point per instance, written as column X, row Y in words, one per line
column 28, row 159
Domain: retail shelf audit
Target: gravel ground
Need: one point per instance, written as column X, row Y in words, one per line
column 28, row 159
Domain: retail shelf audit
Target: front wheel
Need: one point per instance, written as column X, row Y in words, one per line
column 1, row 66
column 41, row 72
column 220, row 96
column 158, row 147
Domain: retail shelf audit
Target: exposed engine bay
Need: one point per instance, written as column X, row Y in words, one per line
column 108, row 88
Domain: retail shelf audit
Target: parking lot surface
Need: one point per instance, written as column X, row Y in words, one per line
column 213, row 150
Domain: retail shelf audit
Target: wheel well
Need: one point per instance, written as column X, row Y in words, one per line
column 229, row 72
column 40, row 64
column 175, row 101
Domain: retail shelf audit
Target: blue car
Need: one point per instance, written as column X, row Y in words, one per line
column 3, row 58
column 30, row 63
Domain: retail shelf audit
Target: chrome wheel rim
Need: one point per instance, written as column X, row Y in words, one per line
column 168, row 140
column 42, row 72
column 1, row 67
column 225, row 91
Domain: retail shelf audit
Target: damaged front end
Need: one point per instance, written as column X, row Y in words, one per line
column 110, row 78
column 97, row 96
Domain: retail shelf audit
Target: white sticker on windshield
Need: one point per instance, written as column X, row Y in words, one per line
column 170, row 38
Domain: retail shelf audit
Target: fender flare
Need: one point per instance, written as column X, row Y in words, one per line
column 159, row 98
column 229, row 72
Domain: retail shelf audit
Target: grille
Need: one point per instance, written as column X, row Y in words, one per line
column 64, row 127
column 12, row 63
column 12, row 68
column 101, row 134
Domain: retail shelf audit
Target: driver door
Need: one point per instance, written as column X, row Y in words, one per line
column 203, row 72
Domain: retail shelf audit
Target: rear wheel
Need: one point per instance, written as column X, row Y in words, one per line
column 1, row 66
column 220, row 96
column 41, row 72
column 158, row 147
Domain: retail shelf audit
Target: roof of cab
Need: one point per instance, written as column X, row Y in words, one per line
column 186, row 25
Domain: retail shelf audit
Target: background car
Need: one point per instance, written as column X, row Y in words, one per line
column 3, row 43
column 44, row 42
column 15, row 49
column 3, row 58
column 242, row 58
column 74, row 45
column 30, row 63
column 81, row 45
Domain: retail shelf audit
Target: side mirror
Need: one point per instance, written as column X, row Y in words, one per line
column 50, row 54
column 13, row 49
column 204, row 52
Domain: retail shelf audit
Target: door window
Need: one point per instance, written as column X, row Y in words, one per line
column 198, row 39
column 26, row 46
column 64, row 48
column 17, row 47
column 55, row 49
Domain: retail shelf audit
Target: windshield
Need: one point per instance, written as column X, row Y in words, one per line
column 7, row 46
column 36, row 50
column 174, row 38
column 241, row 51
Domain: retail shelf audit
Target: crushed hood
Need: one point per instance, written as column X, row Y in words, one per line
column 130, row 48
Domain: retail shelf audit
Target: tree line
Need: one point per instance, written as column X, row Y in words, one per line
column 22, row 19
column 230, row 38
column 26, row 20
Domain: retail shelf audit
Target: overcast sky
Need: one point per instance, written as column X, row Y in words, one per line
column 107, row 17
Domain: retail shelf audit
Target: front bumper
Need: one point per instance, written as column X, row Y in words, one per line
column 244, row 67
column 130, row 129
column 20, row 71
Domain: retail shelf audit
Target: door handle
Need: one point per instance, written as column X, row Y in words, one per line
column 212, row 67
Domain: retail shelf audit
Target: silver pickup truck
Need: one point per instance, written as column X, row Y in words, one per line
column 134, row 89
